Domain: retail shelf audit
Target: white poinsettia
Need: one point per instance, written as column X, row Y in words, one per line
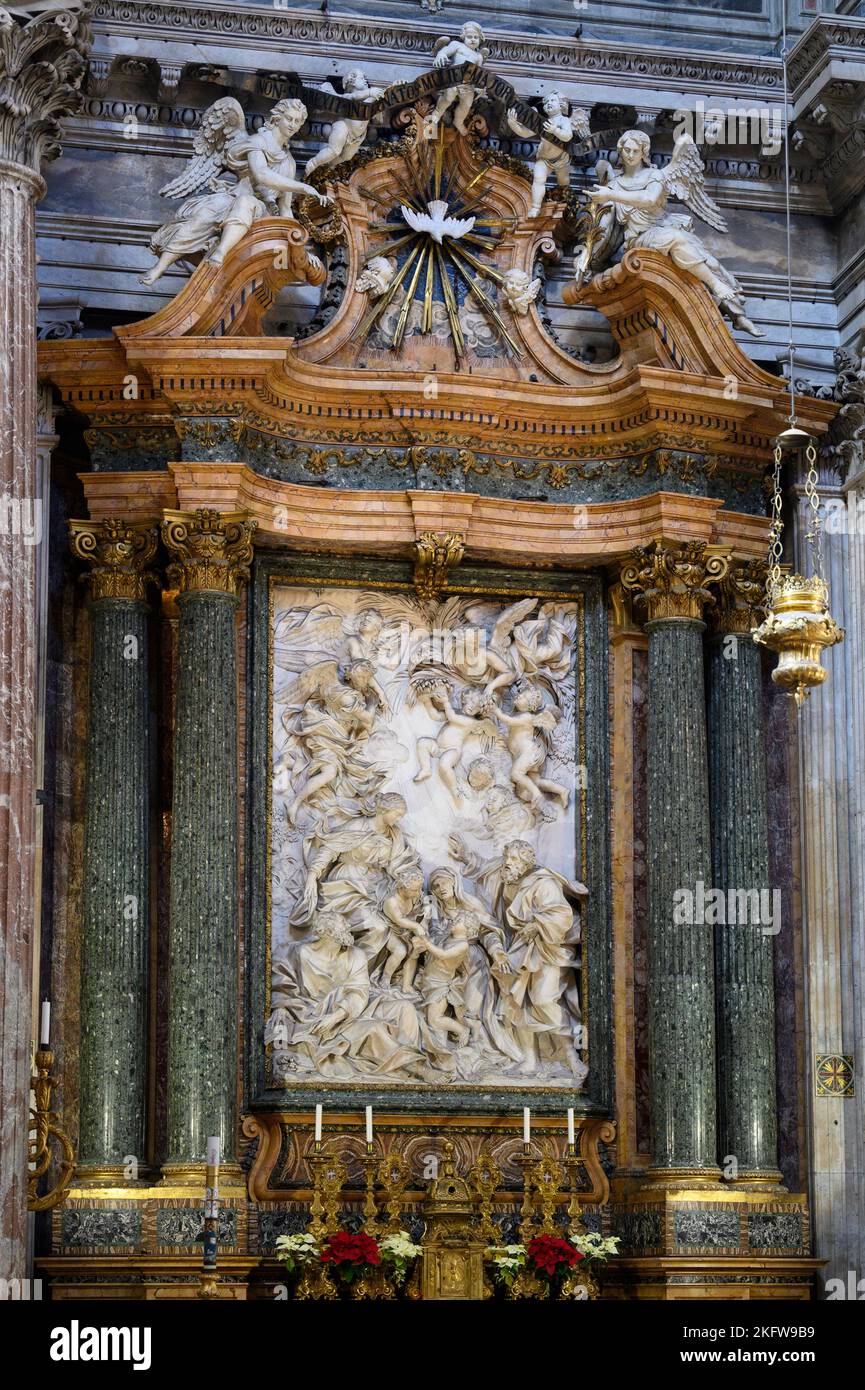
column 399, row 1251
column 298, row 1249
column 507, row 1261
column 594, row 1246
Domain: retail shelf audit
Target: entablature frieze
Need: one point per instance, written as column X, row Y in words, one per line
column 521, row 533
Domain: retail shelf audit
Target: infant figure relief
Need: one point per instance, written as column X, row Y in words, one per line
column 426, row 922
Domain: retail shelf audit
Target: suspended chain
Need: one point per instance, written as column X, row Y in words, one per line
column 814, row 534
column 776, row 544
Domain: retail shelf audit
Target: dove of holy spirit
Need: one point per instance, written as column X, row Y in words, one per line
column 436, row 223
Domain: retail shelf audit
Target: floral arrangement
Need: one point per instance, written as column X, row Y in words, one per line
column 298, row 1250
column 549, row 1258
column 399, row 1252
column 350, row 1254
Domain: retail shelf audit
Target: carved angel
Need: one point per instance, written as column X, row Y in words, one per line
column 468, row 48
column 264, row 172
column 520, row 290
column 346, row 136
column 562, row 121
column 375, row 279
column 638, row 199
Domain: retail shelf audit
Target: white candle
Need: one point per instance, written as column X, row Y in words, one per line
column 369, row 1124
column 527, row 1125
column 45, row 1024
column 571, row 1140
column 213, row 1151
column 318, row 1124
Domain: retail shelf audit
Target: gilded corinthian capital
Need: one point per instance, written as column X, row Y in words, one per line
column 672, row 580
column 741, row 602
column 211, row 550
column 119, row 554
column 42, row 64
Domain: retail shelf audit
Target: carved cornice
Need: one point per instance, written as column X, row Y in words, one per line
column 436, row 557
column 42, row 64
column 277, row 29
column 212, row 549
column 673, row 581
column 843, row 35
column 118, row 552
column 741, row 599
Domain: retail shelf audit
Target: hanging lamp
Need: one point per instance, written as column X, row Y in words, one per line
column 798, row 626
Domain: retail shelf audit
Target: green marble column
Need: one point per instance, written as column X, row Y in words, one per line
column 744, row 981
column 211, row 555
column 115, row 929
column 671, row 583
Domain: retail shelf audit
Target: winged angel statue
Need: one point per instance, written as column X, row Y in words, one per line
column 636, row 200
column 261, row 180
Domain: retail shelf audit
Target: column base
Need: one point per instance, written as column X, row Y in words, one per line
column 702, row 1223
column 89, row 1175
column 710, row 1278
column 191, row 1176
column 669, row 1179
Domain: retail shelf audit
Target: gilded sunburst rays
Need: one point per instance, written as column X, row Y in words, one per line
column 430, row 231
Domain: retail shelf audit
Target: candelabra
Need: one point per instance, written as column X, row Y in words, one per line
column 43, row 1128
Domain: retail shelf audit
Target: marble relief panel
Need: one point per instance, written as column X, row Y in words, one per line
column 425, row 915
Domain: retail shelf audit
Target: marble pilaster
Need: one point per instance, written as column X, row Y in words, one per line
column 116, row 918
column 41, row 65
column 744, row 983
column 671, row 582
column 830, row 777
column 211, row 554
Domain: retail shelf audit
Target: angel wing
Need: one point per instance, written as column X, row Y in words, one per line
column 219, row 123
column 508, row 620
column 684, row 177
column 313, row 682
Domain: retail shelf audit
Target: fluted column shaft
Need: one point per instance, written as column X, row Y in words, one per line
column 115, row 927
column 203, row 962
column 671, row 582
column 19, row 190
column 744, row 939
column 41, row 65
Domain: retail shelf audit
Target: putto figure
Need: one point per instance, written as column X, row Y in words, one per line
column 346, row 136
column 638, row 198
column 520, row 290
column 563, row 123
column 264, row 169
column 376, row 277
column 468, row 48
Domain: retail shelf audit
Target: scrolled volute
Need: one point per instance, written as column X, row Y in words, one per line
column 212, row 550
column 119, row 553
column 672, row 581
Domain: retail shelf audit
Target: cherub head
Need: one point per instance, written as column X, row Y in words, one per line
column 528, row 700
column 481, row 774
column 472, row 34
column 520, row 290
column 633, row 149
column 355, row 81
column 390, row 806
column 517, row 860
column 471, row 701
column 288, row 116
column 370, row 623
column 556, row 104
column 376, row 277
column 410, row 882
column 332, row 927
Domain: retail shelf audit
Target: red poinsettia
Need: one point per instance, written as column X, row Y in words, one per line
column 350, row 1248
column 552, row 1255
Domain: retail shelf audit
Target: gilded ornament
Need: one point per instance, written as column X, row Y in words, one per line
column 213, row 550
column 672, row 581
column 436, row 557
column 119, row 553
